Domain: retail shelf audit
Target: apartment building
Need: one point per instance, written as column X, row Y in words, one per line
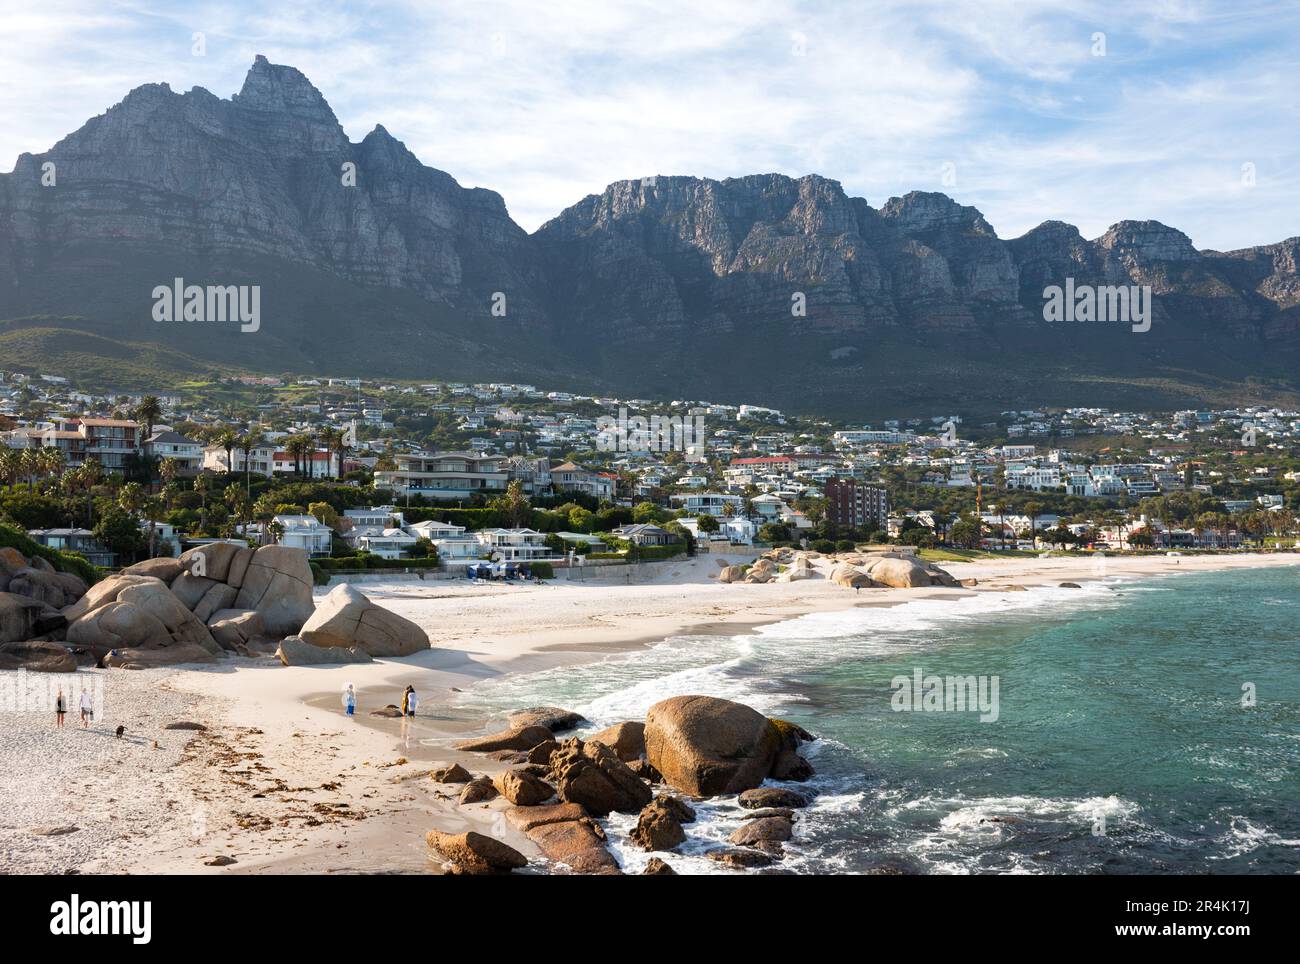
column 446, row 475
column 856, row 505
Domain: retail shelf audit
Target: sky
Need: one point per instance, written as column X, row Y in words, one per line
column 1180, row 111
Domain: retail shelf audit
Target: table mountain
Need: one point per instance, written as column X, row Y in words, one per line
column 371, row 262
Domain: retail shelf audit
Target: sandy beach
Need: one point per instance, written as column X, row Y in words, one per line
column 280, row 780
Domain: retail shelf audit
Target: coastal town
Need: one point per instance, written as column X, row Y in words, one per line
column 458, row 478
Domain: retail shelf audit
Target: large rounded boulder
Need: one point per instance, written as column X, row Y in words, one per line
column 43, row 583
column 138, row 612
column 851, row 577
column 347, row 618
column 908, row 573
column 276, row 582
column 20, row 617
column 708, row 746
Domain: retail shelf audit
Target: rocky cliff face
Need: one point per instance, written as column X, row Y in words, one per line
column 257, row 189
column 264, row 174
column 691, row 253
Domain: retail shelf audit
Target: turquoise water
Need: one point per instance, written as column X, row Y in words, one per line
column 1121, row 743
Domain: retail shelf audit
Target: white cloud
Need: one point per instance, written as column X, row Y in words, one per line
column 548, row 103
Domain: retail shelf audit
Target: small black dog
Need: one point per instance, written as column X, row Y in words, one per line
column 120, row 731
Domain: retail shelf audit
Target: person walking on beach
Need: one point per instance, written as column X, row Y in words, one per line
column 87, row 709
column 349, row 700
column 409, row 700
column 60, row 709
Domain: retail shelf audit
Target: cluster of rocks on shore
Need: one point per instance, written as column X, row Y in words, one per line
column 212, row 601
column 853, row 570
column 688, row 748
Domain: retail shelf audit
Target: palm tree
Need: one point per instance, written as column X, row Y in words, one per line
column 298, row 446
column 90, row 475
column 11, row 465
column 331, row 440
column 201, row 486
column 238, row 503
column 169, row 493
column 168, row 470
column 1033, row 510
column 149, row 411
column 52, row 463
column 155, row 511
column 253, row 440
column 31, row 466
column 132, row 500
column 228, row 441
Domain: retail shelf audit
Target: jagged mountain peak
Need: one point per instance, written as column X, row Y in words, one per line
column 283, row 89
column 1149, row 240
column 928, row 210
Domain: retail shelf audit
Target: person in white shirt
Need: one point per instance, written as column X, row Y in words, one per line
column 87, row 709
column 409, row 701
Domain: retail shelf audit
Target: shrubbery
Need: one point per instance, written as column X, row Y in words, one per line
column 318, row 575
column 72, row 562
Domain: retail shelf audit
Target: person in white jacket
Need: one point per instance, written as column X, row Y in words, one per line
column 409, row 701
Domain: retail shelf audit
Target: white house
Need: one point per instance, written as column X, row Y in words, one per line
column 256, row 462
column 172, row 445
column 455, row 546
column 389, row 543
column 514, row 545
column 709, row 503
column 304, row 532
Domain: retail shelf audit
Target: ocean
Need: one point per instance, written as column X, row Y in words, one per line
column 1142, row 727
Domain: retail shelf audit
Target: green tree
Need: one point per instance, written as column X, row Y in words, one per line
column 148, row 412
column 707, row 523
column 118, row 531
column 514, row 508
column 646, row 512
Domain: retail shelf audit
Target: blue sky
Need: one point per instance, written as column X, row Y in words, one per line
column 1007, row 106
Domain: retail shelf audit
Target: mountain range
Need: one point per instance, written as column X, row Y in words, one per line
column 371, row 263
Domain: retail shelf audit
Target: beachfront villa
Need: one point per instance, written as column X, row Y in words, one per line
column 514, row 545
column 455, row 546
column 389, row 543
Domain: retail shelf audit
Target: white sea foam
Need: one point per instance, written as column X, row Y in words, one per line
column 1244, row 837
column 755, row 669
